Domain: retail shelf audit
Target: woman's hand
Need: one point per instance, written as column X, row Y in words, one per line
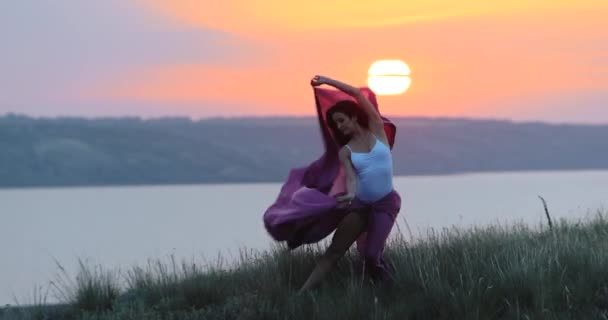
column 318, row 80
column 345, row 201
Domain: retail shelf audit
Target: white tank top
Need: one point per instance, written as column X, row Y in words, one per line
column 374, row 172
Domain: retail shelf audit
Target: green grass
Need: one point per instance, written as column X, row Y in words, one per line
column 496, row 272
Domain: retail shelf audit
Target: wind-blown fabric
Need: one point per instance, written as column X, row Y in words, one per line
column 305, row 209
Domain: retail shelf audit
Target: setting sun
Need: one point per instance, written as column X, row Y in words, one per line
column 389, row 77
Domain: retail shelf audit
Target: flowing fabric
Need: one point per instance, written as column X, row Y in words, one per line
column 305, row 209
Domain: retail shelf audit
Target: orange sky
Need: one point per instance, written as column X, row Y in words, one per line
column 508, row 59
column 467, row 57
column 277, row 16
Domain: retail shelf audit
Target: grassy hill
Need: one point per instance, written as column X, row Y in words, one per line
column 497, row 272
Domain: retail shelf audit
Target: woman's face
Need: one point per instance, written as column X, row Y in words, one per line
column 344, row 123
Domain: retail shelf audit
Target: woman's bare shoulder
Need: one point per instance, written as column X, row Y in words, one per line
column 381, row 135
column 344, row 151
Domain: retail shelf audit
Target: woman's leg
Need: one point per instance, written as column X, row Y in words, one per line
column 347, row 232
column 380, row 226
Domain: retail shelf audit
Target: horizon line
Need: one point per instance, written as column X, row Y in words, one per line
column 287, row 116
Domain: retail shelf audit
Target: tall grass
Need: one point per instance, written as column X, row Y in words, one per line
column 496, row 272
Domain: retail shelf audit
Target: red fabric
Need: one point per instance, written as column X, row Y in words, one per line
column 304, row 211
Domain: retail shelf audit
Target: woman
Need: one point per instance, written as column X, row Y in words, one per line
column 370, row 201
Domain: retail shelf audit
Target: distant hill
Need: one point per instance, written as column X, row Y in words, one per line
column 112, row 151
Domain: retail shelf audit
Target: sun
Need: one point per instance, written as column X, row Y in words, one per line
column 389, row 77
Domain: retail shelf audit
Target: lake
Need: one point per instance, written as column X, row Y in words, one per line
column 119, row 227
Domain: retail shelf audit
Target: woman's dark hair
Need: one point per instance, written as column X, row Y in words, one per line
column 350, row 109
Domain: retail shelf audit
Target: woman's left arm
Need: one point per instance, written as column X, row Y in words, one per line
column 376, row 124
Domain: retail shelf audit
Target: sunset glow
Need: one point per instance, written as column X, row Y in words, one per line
column 278, row 16
column 518, row 59
column 389, row 77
